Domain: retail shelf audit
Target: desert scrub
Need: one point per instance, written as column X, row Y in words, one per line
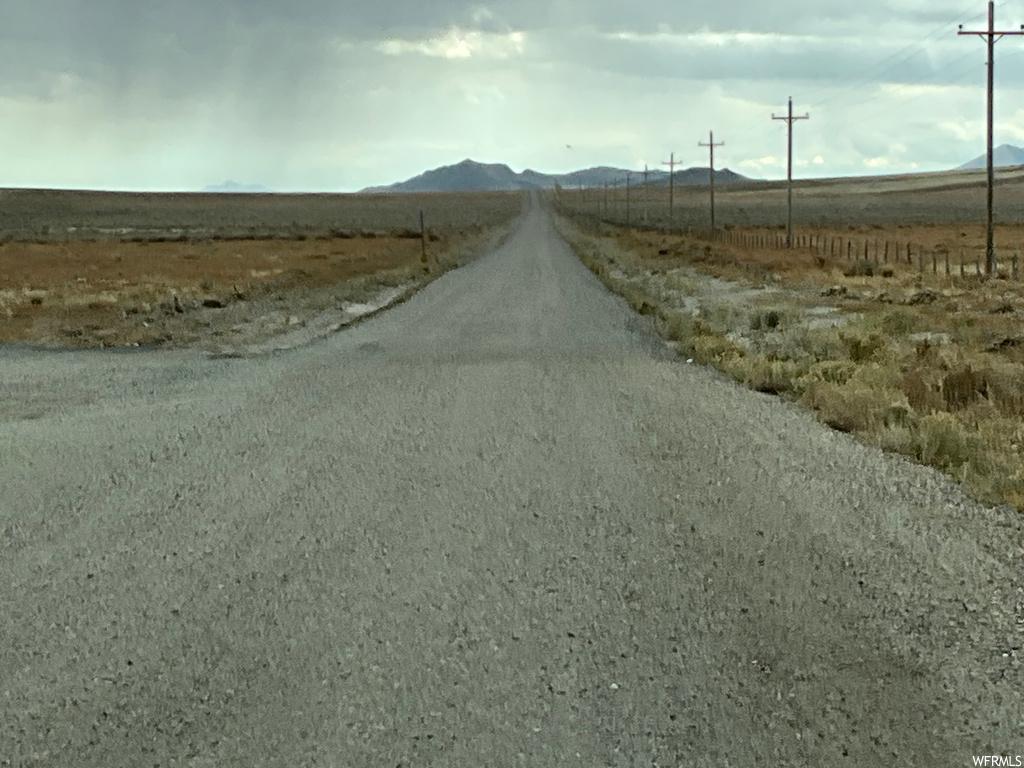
column 803, row 344
column 850, row 407
column 725, row 316
column 715, row 349
column 765, row 320
column 762, row 374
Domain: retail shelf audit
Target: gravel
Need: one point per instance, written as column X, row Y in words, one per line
column 498, row 524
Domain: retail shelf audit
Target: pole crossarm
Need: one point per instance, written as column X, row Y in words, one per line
column 790, row 118
column 991, row 37
column 711, row 170
column 672, row 163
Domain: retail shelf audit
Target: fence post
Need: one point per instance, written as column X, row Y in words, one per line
column 947, row 262
column 910, row 259
column 920, row 259
column 977, row 266
column 1016, row 254
column 935, row 263
column 423, row 240
column 885, row 256
column 961, row 261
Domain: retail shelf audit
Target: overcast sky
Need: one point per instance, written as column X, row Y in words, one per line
column 335, row 95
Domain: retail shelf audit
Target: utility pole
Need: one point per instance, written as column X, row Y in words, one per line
column 991, row 37
column 789, row 169
column 711, row 172
column 671, row 176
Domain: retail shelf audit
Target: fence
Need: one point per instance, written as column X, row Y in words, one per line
column 873, row 251
column 852, row 250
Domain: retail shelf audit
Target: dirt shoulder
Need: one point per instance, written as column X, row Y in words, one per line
column 928, row 366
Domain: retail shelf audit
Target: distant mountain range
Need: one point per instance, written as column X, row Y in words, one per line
column 1002, row 156
column 470, row 176
column 235, row 187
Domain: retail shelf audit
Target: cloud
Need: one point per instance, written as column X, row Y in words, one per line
column 322, row 94
column 458, row 44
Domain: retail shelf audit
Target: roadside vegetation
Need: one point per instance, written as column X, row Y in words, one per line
column 931, row 367
column 133, row 283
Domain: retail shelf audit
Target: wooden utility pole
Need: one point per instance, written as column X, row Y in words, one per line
column 991, row 36
column 671, row 176
column 711, row 171
column 790, row 119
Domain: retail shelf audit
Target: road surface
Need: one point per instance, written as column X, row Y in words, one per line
column 496, row 525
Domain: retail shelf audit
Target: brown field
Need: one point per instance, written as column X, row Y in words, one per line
column 101, row 269
column 60, row 215
column 924, row 199
column 913, row 360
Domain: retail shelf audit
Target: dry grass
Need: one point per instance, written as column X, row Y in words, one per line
column 76, row 288
column 930, row 368
column 140, row 264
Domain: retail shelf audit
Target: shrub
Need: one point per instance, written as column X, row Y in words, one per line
column 861, row 347
column 943, row 442
column 962, row 387
column 709, row 349
column 765, row 321
column 831, row 371
column 900, row 322
column 848, row 407
column 773, row 376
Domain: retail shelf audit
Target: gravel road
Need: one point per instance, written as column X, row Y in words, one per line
column 499, row 524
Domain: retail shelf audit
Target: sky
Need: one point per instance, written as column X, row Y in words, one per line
column 332, row 95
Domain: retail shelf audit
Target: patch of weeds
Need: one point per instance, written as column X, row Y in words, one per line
column 962, row 387
column 901, row 321
column 775, row 377
column 850, row 407
column 860, row 346
column 724, row 316
column 831, row 371
column 714, row 349
column 943, row 442
column 765, row 320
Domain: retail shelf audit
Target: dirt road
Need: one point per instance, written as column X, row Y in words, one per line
column 496, row 525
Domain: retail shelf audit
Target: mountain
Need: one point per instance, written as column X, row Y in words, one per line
column 470, row 176
column 1002, row 156
column 235, row 187
column 467, row 176
column 699, row 176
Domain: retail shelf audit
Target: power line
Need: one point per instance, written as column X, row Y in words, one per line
column 790, row 119
column 711, row 171
column 671, row 175
column 875, row 74
column 991, row 37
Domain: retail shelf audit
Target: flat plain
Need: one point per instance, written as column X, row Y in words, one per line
column 114, row 269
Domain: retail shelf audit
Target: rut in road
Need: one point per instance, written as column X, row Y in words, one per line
column 496, row 525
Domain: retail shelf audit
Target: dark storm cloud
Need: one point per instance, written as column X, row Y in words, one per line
column 309, row 87
column 270, row 47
